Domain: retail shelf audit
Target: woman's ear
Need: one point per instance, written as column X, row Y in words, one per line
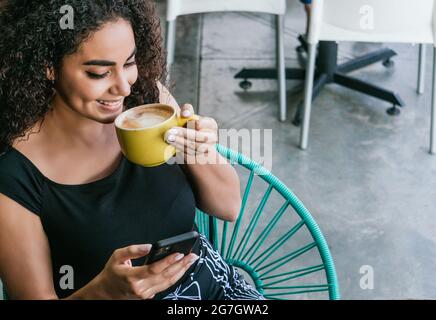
column 50, row 73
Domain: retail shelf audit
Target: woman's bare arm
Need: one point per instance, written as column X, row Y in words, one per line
column 25, row 262
column 25, row 265
column 216, row 186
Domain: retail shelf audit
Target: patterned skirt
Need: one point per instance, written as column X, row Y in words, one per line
column 213, row 279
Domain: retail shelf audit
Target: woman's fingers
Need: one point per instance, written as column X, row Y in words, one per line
column 190, row 150
column 206, row 123
column 202, row 143
column 185, row 145
column 159, row 266
column 168, row 282
column 187, row 110
column 150, row 273
column 154, row 279
column 171, row 275
column 193, row 135
column 194, row 141
column 173, row 269
column 131, row 252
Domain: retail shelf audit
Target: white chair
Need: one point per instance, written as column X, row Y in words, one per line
column 402, row 21
column 177, row 8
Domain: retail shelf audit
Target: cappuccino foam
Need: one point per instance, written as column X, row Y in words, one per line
column 145, row 118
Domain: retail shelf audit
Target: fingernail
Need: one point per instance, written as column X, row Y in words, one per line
column 186, row 113
column 172, row 131
column 145, row 248
column 193, row 258
column 171, row 138
column 179, row 257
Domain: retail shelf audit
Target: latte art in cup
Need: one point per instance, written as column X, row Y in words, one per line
column 145, row 118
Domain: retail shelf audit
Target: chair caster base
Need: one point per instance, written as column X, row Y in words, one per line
column 389, row 63
column 394, row 111
column 296, row 121
column 297, row 117
column 301, row 49
column 245, row 85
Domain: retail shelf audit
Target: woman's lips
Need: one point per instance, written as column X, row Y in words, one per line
column 110, row 105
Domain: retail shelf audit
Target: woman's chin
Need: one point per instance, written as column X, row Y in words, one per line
column 108, row 119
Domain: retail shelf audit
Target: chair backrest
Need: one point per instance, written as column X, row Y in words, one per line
column 410, row 21
column 177, row 8
column 275, row 240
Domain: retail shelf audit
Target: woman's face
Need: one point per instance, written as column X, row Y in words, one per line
column 95, row 80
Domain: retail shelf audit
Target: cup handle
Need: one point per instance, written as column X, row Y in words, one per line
column 181, row 121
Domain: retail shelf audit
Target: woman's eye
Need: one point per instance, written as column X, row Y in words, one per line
column 93, row 75
column 96, row 75
column 129, row 64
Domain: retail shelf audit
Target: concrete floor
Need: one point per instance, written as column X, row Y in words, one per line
column 366, row 177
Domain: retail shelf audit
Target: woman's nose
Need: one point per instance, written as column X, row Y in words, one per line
column 121, row 87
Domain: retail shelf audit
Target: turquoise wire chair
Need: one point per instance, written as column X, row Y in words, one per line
column 264, row 252
column 280, row 264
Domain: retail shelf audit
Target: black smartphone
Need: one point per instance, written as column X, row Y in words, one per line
column 181, row 243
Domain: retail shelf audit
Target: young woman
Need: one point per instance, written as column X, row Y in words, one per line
column 76, row 217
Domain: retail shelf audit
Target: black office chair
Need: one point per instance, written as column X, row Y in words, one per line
column 329, row 71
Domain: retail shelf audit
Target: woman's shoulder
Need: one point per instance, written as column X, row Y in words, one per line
column 14, row 159
column 14, row 165
column 13, row 162
column 20, row 180
column 10, row 160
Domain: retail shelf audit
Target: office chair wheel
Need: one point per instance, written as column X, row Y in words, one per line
column 301, row 49
column 297, row 117
column 245, row 85
column 388, row 63
column 394, row 111
column 296, row 121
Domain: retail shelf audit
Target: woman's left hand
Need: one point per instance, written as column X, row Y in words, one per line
column 198, row 138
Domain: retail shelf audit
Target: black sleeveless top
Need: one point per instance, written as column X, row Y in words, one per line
column 85, row 223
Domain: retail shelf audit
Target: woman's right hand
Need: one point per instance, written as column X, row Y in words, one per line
column 120, row 280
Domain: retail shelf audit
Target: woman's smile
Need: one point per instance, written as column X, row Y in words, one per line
column 110, row 105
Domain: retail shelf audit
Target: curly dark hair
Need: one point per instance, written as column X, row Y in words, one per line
column 32, row 40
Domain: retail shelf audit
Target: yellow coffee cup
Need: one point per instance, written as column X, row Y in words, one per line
column 141, row 133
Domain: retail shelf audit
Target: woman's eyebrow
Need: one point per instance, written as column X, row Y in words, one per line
column 106, row 63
